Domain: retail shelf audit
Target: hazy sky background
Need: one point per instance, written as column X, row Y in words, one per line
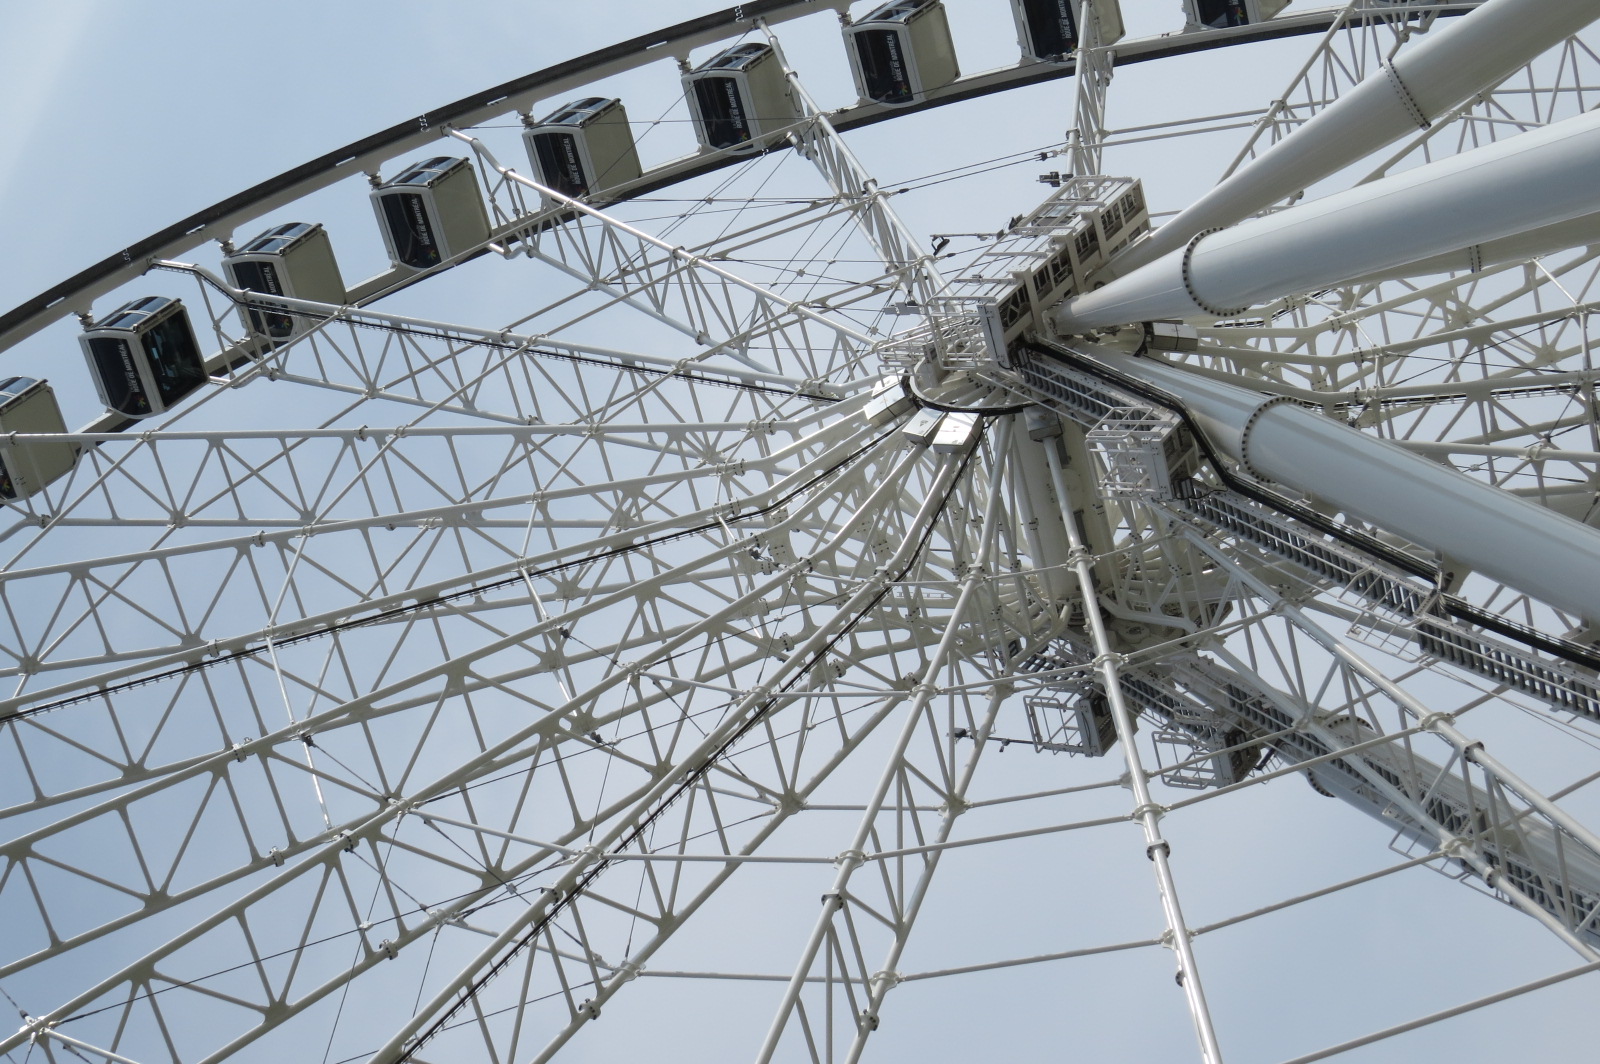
column 119, row 117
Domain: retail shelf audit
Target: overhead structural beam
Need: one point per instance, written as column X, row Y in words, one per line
column 1403, row 95
column 1546, row 240
column 1525, row 183
column 1467, row 522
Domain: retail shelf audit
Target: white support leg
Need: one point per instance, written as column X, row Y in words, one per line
column 1540, row 178
column 1146, row 811
column 1419, row 84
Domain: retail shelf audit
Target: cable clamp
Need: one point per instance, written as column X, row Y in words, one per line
column 1148, row 809
column 885, row 979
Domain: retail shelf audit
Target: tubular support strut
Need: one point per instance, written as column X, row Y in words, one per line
column 1518, row 542
column 1145, row 812
column 1417, row 85
column 1513, row 187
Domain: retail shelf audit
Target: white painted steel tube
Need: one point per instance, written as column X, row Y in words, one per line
column 1421, row 83
column 1510, row 539
column 1545, row 240
column 1145, row 812
column 1537, row 179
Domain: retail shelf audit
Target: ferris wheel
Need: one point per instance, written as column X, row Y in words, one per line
column 786, row 567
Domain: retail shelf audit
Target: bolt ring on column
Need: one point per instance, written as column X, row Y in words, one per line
column 1250, row 424
column 1188, row 279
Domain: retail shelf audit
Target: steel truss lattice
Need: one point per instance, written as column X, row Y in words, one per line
column 735, row 613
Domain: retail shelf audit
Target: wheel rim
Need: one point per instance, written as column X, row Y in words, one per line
column 593, row 563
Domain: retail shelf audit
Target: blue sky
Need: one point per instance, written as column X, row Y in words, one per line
column 121, row 116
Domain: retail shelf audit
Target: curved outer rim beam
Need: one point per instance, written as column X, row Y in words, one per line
column 1532, row 181
column 1403, row 95
column 219, row 219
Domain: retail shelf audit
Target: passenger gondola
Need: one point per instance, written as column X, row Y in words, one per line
column 901, row 51
column 143, row 357
column 1047, row 30
column 583, row 147
column 1223, row 14
column 29, row 406
column 294, row 259
column 739, row 98
column 431, row 211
